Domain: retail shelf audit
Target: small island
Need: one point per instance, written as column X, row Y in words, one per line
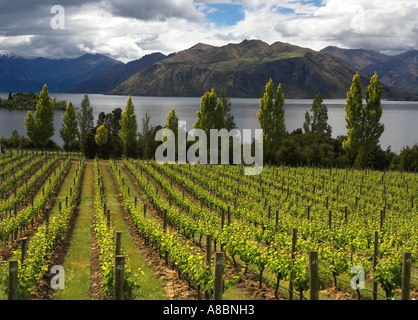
column 27, row 101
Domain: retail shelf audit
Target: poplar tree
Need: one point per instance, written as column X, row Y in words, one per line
column 40, row 126
column 210, row 114
column 101, row 137
column 307, row 123
column 353, row 118
column 214, row 112
column 373, row 129
column 69, row 131
column 271, row 117
column 85, row 117
column 363, row 122
column 228, row 118
column 172, row 122
column 372, row 113
column 129, row 129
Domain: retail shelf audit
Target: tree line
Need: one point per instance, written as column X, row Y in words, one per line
column 313, row 145
column 27, row 101
column 116, row 134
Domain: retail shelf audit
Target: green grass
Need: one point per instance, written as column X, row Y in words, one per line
column 77, row 260
column 151, row 287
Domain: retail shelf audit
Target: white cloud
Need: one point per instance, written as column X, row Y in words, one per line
column 374, row 24
column 128, row 29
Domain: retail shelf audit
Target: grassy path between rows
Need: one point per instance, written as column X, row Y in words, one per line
column 151, row 287
column 77, row 260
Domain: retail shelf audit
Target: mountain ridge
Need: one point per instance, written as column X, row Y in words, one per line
column 399, row 70
column 30, row 74
column 243, row 69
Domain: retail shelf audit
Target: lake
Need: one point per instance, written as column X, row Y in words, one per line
column 399, row 117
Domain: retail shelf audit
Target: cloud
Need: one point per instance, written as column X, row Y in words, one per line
column 374, row 24
column 128, row 29
column 156, row 10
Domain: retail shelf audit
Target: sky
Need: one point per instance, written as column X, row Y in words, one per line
column 129, row 29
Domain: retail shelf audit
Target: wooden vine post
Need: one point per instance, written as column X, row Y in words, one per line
column 13, row 285
column 208, row 257
column 119, row 277
column 406, row 276
column 313, row 275
column 118, row 243
column 217, row 283
column 24, row 246
column 375, row 255
column 294, row 238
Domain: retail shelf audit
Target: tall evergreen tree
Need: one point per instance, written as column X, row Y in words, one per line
column 173, row 125
column 308, row 122
column 372, row 113
column 69, row 131
column 129, row 129
column 101, row 137
column 214, row 112
column 228, row 118
column 354, row 119
column 363, row 122
column 147, row 137
column 40, row 127
column 85, row 117
column 271, row 117
column 279, row 131
column 172, row 122
column 318, row 122
column 210, row 114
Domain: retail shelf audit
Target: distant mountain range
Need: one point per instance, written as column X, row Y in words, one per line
column 19, row 74
column 242, row 69
column 113, row 76
column 400, row 71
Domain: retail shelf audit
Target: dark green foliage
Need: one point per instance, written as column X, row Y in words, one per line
column 316, row 149
column 408, row 158
column 271, row 117
column 85, row 117
column 318, row 121
column 111, row 121
column 146, row 139
column 17, row 141
column 40, row 126
column 27, row 101
column 129, row 128
column 69, row 132
column 88, row 146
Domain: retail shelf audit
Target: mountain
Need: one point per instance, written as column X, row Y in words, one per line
column 26, row 75
column 116, row 74
column 243, row 69
column 400, row 71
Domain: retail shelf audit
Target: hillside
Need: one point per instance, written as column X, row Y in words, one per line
column 243, row 70
column 400, row 71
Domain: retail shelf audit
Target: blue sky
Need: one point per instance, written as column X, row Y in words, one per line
column 224, row 14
